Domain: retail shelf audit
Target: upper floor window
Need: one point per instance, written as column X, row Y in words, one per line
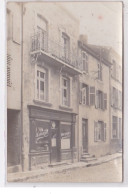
column 85, row 94
column 84, row 61
column 65, row 46
column 101, row 100
column 99, row 131
column 114, row 68
column 65, row 91
column 42, row 84
column 99, row 71
column 114, row 127
column 42, row 32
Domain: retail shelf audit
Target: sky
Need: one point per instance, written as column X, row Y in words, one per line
column 100, row 21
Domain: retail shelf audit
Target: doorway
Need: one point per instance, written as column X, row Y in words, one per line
column 55, row 141
column 85, row 135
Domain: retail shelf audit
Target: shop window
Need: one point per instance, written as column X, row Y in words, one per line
column 39, row 133
column 42, row 84
column 84, row 61
column 99, row 72
column 65, row 91
column 99, row 131
column 65, row 136
column 114, row 127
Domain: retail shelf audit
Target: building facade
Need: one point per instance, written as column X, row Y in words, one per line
column 59, row 89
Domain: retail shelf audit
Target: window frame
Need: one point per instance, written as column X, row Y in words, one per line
column 99, row 133
column 68, row 89
column 45, row 80
column 85, row 66
column 100, row 72
column 117, row 129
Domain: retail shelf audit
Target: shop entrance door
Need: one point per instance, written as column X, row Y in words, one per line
column 85, row 135
column 55, row 148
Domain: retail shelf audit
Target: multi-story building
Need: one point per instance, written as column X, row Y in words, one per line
column 59, row 89
column 14, row 86
column 116, row 101
column 94, row 126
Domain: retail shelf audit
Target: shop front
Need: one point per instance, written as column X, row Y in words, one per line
column 52, row 136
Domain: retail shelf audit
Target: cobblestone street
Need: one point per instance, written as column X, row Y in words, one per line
column 106, row 172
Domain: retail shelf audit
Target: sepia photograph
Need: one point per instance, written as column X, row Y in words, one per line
column 64, row 92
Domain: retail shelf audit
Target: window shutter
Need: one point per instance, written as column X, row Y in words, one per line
column 92, row 96
column 105, row 100
column 112, row 96
column 87, row 95
column 80, row 93
column 105, row 128
column 96, row 102
column 95, row 131
column 9, row 59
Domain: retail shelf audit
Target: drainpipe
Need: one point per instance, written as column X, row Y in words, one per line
column 22, row 151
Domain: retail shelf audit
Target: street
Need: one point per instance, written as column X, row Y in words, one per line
column 105, row 173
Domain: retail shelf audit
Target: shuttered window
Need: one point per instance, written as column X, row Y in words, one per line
column 84, row 94
column 101, row 100
column 92, row 96
column 99, row 131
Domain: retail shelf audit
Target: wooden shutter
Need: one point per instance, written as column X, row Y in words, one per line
column 96, row 102
column 105, row 100
column 92, row 96
column 95, row 131
column 80, row 92
column 87, row 94
column 105, row 128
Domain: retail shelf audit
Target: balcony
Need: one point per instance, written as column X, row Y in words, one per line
column 55, row 53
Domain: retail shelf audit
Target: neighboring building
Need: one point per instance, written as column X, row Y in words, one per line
column 59, row 89
column 94, row 126
column 13, row 87
column 116, row 101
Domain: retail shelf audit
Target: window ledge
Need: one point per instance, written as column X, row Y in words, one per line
column 65, row 108
column 42, row 103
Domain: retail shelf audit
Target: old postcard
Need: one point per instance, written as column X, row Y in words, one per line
column 64, row 92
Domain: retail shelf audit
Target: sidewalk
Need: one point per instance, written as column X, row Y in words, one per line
column 23, row 176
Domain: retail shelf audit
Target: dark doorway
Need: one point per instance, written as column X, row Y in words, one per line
column 13, row 137
column 85, row 134
column 55, row 141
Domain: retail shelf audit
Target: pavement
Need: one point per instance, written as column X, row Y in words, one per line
column 29, row 175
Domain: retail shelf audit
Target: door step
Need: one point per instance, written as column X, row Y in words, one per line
column 87, row 158
column 57, row 164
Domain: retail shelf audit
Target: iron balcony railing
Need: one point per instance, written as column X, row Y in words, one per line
column 41, row 42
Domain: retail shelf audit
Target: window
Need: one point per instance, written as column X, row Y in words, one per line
column 9, row 25
column 41, row 85
column 84, row 94
column 99, row 131
column 66, row 46
column 101, row 100
column 114, row 69
column 114, row 127
column 84, row 61
column 42, row 33
column 115, row 96
column 92, row 96
column 39, row 135
column 65, row 136
column 99, row 71
column 65, row 91
column 119, row 100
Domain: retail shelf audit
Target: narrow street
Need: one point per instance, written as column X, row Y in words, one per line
column 106, row 172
